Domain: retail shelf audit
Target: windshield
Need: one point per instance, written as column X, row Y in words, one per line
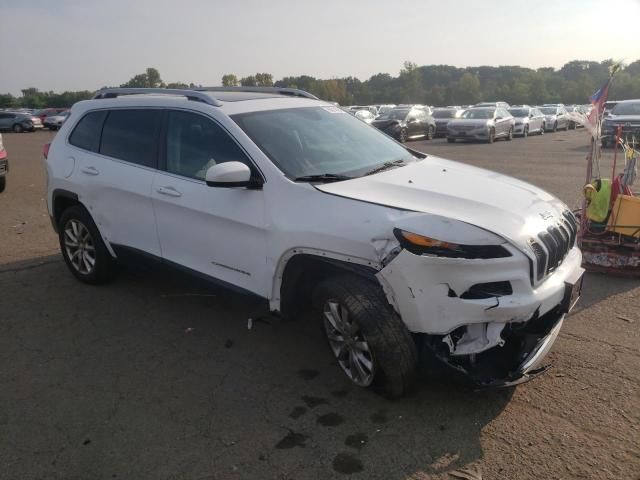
column 396, row 114
column 519, row 112
column 478, row 113
column 319, row 140
column 384, row 110
column 631, row 108
column 443, row 113
column 548, row 110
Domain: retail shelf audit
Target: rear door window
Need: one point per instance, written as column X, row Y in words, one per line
column 86, row 135
column 132, row 136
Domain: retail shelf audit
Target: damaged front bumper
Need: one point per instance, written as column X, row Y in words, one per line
column 483, row 317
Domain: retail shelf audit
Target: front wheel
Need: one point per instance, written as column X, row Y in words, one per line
column 566, row 127
column 17, row 128
column 369, row 340
column 525, row 131
column 542, row 129
column 555, row 127
column 402, row 136
column 82, row 247
column 492, row 136
column 510, row 135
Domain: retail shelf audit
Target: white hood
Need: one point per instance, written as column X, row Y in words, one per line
column 515, row 210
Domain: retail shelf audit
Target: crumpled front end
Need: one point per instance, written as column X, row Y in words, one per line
column 482, row 317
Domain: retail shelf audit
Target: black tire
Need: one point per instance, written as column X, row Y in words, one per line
column 402, row 136
column 542, row 129
column 451, row 140
column 566, row 128
column 105, row 266
column 429, row 134
column 525, row 131
column 3, row 183
column 393, row 350
column 17, row 128
column 492, row 136
column 510, row 134
column 555, row 127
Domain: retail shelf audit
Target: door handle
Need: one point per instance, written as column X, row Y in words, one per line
column 170, row 191
column 91, row 170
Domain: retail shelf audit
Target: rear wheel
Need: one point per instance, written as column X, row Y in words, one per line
column 3, row 183
column 369, row 340
column 402, row 136
column 82, row 247
column 492, row 136
column 17, row 128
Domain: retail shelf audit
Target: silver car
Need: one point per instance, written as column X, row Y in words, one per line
column 555, row 118
column 481, row 123
column 19, row 122
column 528, row 120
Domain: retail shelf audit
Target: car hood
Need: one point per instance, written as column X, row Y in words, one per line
column 473, row 122
column 383, row 123
column 515, row 210
column 623, row 118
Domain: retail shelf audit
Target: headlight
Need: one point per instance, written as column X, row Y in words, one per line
column 422, row 245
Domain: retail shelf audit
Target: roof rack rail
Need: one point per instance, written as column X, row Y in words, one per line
column 294, row 92
column 198, row 96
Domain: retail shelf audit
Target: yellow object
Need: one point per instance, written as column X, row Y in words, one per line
column 625, row 216
column 423, row 241
column 599, row 195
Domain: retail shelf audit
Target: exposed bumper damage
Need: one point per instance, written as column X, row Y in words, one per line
column 482, row 318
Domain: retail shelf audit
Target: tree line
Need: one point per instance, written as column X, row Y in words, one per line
column 428, row 84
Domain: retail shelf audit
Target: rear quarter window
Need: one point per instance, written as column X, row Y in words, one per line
column 132, row 136
column 86, row 134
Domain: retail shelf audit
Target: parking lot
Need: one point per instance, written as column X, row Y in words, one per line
column 154, row 377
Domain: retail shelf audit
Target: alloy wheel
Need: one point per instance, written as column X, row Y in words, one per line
column 79, row 247
column 348, row 344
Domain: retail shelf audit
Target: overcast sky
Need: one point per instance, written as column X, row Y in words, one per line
column 85, row 44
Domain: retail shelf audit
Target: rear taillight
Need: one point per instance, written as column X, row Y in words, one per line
column 45, row 150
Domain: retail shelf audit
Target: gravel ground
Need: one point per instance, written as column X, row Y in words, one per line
column 152, row 377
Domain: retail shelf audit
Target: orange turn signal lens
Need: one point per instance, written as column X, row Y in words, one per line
column 422, row 241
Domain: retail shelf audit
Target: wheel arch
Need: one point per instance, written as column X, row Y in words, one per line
column 61, row 200
column 300, row 270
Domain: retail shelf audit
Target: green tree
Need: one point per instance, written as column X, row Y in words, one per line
column 467, row 89
column 230, row 80
column 149, row 79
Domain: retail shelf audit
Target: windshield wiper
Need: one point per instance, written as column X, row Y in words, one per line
column 386, row 166
column 322, row 177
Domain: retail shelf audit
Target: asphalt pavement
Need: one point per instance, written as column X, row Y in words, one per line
column 152, row 377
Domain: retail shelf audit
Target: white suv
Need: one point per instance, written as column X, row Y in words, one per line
column 299, row 204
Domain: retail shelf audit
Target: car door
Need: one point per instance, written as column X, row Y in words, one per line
column 535, row 123
column 413, row 124
column 216, row 231
column 116, row 163
column 6, row 121
column 499, row 122
column 562, row 117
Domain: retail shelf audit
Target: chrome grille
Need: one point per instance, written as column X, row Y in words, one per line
column 552, row 245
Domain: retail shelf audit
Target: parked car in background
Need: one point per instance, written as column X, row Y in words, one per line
column 19, row 122
column 481, row 123
column 413, row 257
column 573, row 113
column 406, row 123
column 493, row 104
column 369, row 108
column 365, row 115
column 527, row 120
column 555, row 117
column 442, row 116
column 43, row 113
column 4, row 166
column 55, row 120
column 382, row 109
column 625, row 114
